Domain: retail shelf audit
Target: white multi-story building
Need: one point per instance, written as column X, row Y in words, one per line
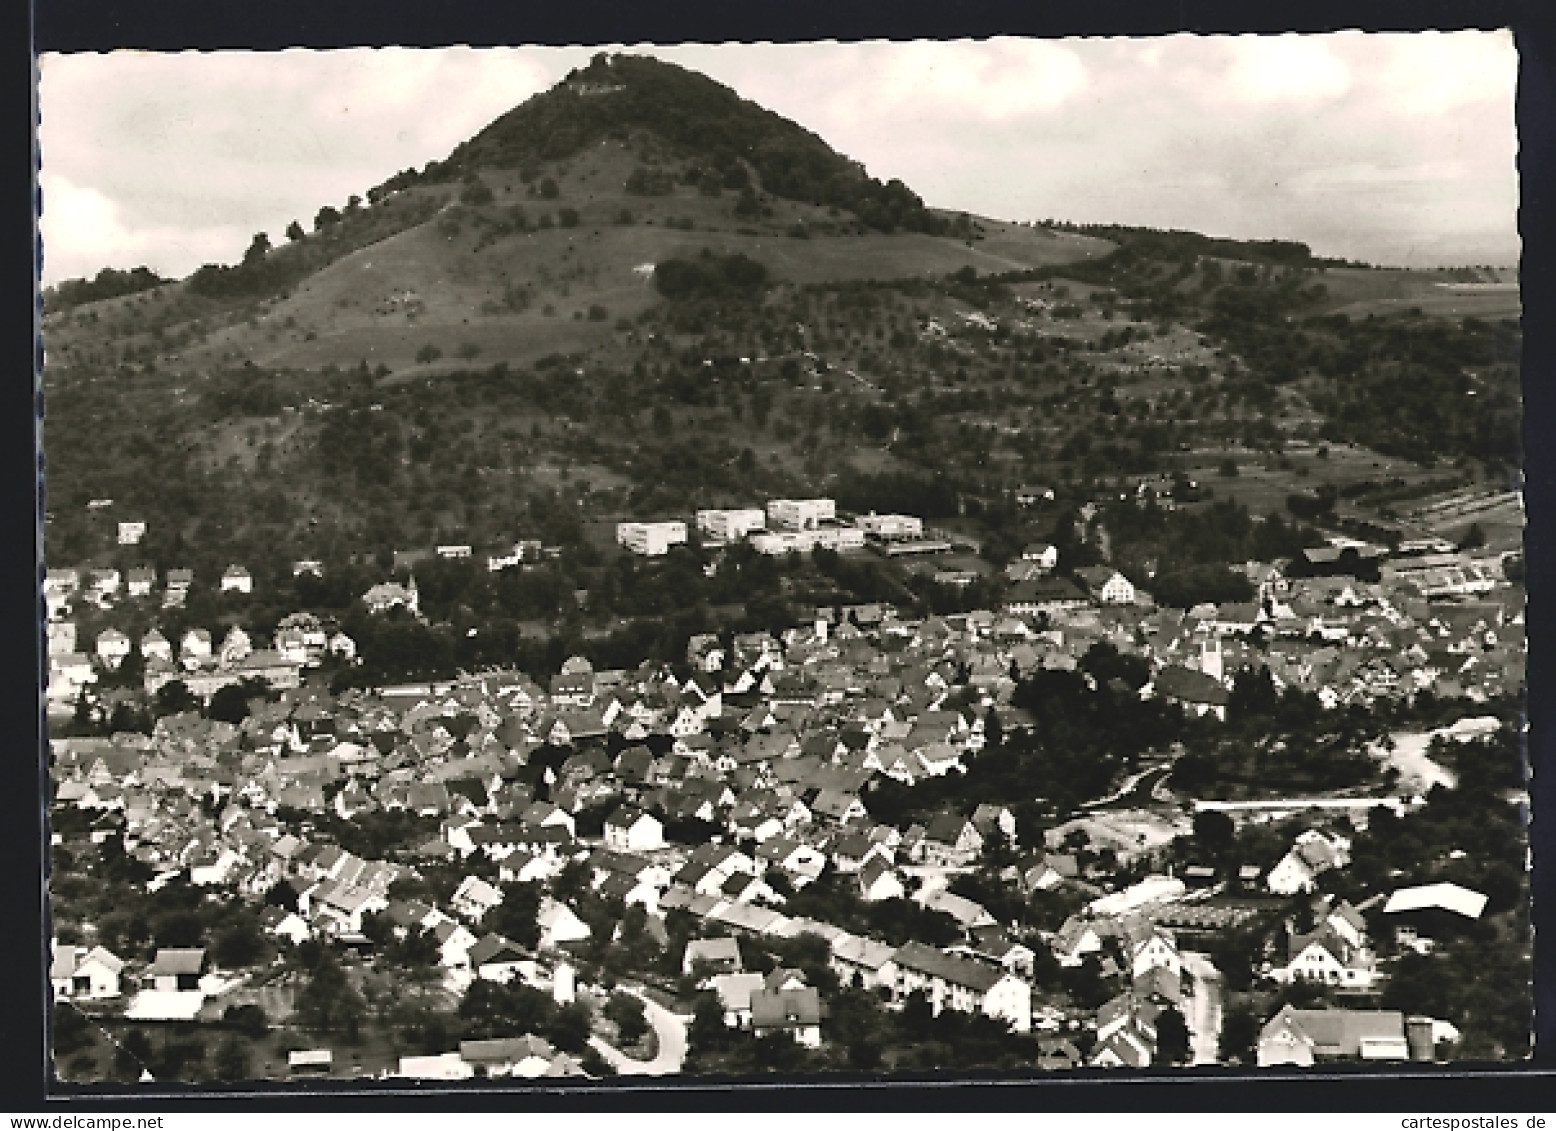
column 730, row 525
column 890, row 526
column 800, row 514
column 804, row 541
column 651, row 539
column 130, row 533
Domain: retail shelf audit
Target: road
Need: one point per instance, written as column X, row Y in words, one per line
column 1204, row 1008
column 1136, row 790
column 671, row 1033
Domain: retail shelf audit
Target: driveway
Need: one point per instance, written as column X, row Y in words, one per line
column 668, row 1028
column 1204, row 1008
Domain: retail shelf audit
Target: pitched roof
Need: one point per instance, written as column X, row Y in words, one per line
column 949, row 968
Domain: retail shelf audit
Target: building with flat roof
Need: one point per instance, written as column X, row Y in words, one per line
column 800, row 514
column 651, row 539
column 730, row 525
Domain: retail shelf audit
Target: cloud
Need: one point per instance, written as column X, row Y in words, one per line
column 1378, row 144
column 1285, row 68
column 1433, row 73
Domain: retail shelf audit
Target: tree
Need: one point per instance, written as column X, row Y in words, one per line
column 1172, row 1038
column 707, row 1030
column 294, row 231
column 248, row 1019
column 327, row 217
column 239, row 943
column 230, row 704
column 175, row 698
column 258, row 249
column 232, row 1060
column 570, row 1028
column 626, row 1010
column 548, row 189
column 1239, row 1035
column 1213, row 832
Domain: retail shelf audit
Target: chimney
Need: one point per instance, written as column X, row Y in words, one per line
column 1418, row 1036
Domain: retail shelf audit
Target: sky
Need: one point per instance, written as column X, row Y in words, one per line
column 1392, row 149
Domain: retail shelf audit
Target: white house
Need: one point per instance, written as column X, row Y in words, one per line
column 950, row 981
column 112, row 648
column 80, row 974
column 1313, row 854
column 878, row 880
column 475, row 897
column 130, row 533
column 236, row 579
column 1043, row 555
column 629, row 829
column 559, row 925
column 1107, row 585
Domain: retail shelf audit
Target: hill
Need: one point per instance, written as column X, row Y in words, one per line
column 529, row 339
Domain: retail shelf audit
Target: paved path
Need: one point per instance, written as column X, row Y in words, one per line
column 668, row 1028
column 1204, row 1008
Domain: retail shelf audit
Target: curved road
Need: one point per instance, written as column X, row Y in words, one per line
column 671, row 1033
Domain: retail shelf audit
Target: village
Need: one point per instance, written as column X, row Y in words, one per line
column 679, row 858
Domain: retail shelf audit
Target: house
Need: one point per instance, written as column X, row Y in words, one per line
column 952, row 982
column 496, row 959
column 1313, row 854
column 1041, row 554
column 1305, row 1036
column 1107, row 586
column 722, row 955
column 967, row 913
column 140, row 580
column 1076, row 939
column 389, row 595
column 442, row 1066
column 878, row 880
column 1039, row 596
column 795, row 1011
column 527, row 1056
column 559, row 925
column 950, row 840
column 866, row 961
column 734, row 992
column 112, row 648
column 1199, row 693
column 176, row 968
column 155, row 647
column 475, row 897
column 236, row 579
column 284, row 924
column 1329, row 957
column 79, row 974
column 629, row 829
column 195, row 648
